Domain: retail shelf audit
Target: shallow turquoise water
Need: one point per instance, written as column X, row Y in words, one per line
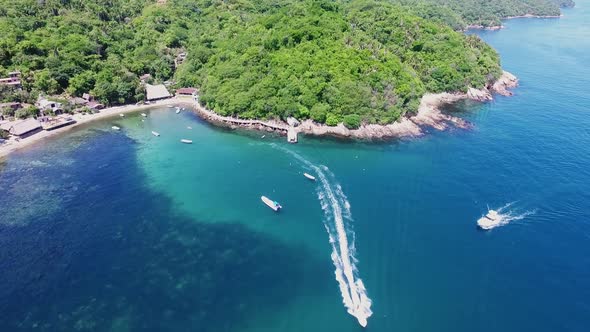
column 124, row 231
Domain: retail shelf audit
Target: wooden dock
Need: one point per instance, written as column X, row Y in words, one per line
column 291, row 135
column 291, row 131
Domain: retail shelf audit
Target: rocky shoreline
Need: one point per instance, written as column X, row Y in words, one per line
column 429, row 115
column 498, row 27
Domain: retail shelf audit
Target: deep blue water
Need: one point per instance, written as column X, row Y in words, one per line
column 122, row 231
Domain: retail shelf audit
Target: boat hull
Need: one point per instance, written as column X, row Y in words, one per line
column 270, row 203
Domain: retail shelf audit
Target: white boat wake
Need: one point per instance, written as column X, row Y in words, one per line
column 506, row 215
column 338, row 223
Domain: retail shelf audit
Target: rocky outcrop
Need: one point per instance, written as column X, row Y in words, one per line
column 428, row 115
column 479, row 94
column 505, row 82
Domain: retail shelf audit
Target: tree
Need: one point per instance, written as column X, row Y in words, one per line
column 319, row 111
column 332, row 120
column 81, row 83
column 352, row 121
column 44, row 82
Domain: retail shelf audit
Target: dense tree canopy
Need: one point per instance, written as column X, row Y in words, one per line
column 349, row 61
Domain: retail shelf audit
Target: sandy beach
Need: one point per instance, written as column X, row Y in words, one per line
column 12, row 144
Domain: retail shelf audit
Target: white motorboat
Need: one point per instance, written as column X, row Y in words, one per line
column 186, row 141
column 155, row 133
column 309, row 176
column 189, row 127
column 270, row 203
column 490, row 220
column 144, row 115
column 115, row 128
column 177, row 110
column 121, row 115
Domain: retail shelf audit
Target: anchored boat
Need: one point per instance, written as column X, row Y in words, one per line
column 270, row 203
column 144, row 115
column 177, row 110
column 121, row 115
column 155, row 133
column 309, row 176
column 115, row 128
column 186, row 141
column 490, row 220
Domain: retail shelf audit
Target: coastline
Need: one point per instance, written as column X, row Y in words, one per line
column 11, row 144
column 428, row 115
column 501, row 26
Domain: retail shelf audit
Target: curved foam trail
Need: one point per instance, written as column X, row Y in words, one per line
column 337, row 210
column 508, row 216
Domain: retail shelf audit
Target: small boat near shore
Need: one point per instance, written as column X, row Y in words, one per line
column 121, row 115
column 116, row 128
column 271, row 204
column 177, row 110
column 144, row 115
column 309, row 176
column 186, row 141
column 155, row 133
column 490, row 220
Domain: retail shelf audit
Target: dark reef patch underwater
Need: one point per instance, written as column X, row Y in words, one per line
column 90, row 248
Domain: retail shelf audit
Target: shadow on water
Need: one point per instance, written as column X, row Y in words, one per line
column 114, row 256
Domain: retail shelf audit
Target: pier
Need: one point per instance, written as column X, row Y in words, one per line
column 290, row 130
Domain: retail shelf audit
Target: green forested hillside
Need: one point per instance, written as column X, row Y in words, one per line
column 333, row 61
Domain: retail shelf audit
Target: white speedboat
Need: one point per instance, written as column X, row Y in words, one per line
column 177, row 110
column 189, row 127
column 155, row 133
column 121, row 115
column 270, row 203
column 115, row 128
column 186, row 141
column 309, row 176
column 490, row 220
column 144, row 115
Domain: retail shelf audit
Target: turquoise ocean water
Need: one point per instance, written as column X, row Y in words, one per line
column 123, row 231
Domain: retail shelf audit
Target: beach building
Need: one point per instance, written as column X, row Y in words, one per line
column 186, row 92
column 51, row 123
column 13, row 80
column 10, row 106
column 156, row 92
column 77, row 101
column 46, row 105
column 94, row 105
column 22, row 128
